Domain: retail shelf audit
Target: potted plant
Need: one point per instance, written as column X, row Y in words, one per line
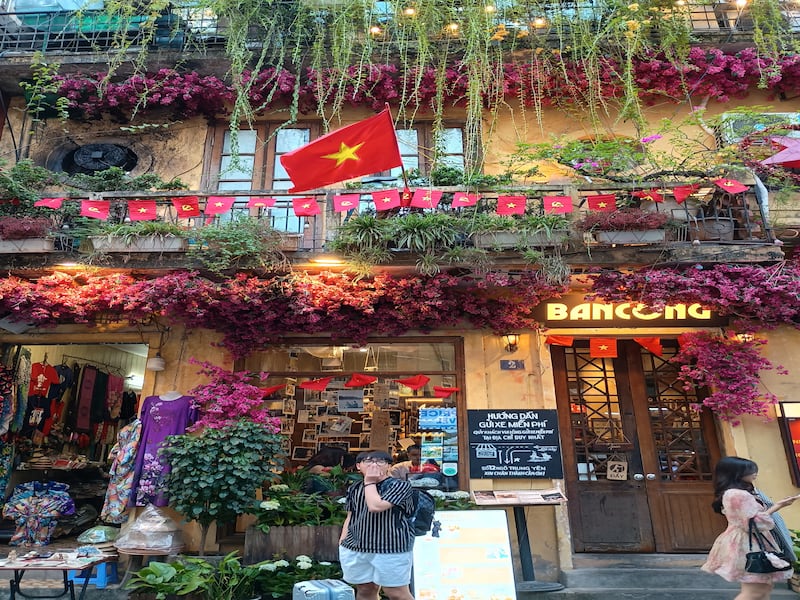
column 245, row 242
column 303, row 513
column 498, row 232
column 162, row 581
column 625, row 226
column 214, row 475
column 25, row 234
column 139, row 236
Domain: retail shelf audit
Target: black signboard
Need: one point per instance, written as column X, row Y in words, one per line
column 514, row 444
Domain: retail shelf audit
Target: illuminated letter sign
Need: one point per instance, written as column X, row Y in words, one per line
column 573, row 310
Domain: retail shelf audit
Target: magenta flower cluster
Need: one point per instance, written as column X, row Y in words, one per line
column 729, row 369
column 546, row 79
column 250, row 312
column 229, row 396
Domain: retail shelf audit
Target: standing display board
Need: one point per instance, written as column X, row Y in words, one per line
column 514, row 443
column 466, row 557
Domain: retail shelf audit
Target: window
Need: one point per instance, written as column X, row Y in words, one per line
column 259, row 168
column 380, row 412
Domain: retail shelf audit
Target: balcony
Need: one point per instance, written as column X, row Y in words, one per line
column 54, row 27
column 702, row 232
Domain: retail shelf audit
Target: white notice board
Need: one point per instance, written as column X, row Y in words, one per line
column 470, row 560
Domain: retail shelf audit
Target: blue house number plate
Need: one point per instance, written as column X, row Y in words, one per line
column 512, row 365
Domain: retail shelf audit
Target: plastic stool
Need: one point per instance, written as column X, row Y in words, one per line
column 106, row 573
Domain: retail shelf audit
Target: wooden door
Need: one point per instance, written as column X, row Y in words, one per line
column 630, row 418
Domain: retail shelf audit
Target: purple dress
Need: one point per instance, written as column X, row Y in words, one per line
column 160, row 418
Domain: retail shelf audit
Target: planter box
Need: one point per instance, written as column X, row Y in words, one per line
column 648, row 236
column 146, row 243
column 506, row 240
column 320, row 542
column 26, row 245
column 290, row 242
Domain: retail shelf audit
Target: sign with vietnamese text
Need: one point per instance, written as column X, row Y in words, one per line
column 514, row 443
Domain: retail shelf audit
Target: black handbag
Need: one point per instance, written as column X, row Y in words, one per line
column 758, row 561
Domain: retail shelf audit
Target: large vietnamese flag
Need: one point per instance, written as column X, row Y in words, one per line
column 359, row 149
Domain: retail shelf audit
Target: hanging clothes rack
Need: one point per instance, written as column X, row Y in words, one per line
column 116, row 368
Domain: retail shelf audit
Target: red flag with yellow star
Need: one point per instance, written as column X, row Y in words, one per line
column 359, row 149
column 216, row 205
column 305, row 207
column 510, row 205
column 603, row 347
column 602, row 202
column 386, row 199
column 142, row 210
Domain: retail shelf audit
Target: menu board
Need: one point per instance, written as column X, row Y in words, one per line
column 514, row 443
column 466, row 557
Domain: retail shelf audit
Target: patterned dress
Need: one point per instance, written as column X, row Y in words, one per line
column 727, row 556
column 160, row 418
column 123, row 456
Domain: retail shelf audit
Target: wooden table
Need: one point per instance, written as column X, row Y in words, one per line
column 60, row 561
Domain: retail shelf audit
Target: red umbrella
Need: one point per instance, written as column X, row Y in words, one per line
column 788, row 156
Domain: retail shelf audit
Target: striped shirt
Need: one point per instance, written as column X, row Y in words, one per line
column 386, row 532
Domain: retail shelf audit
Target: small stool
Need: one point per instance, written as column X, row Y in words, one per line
column 106, row 573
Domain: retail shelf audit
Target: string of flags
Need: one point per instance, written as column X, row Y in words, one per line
column 607, row 347
column 388, row 199
column 415, row 382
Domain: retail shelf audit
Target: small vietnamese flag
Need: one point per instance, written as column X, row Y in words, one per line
column 682, row 192
column 318, row 385
column 360, row 380
column 216, row 205
column 362, row 148
column 386, row 199
column 95, row 209
column 557, row 205
column 603, row 348
column 305, row 207
column 260, row 202
column 511, row 205
column 652, row 344
column 142, row 210
column 268, row 391
column 602, row 202
column 559, row 340
column 426, row 198
column 49, row 202
column 188, row 206
column 463, row 199
column 731, row 185
column 346, row 202
column 651, row 196
column 414, row 382
column 444, row 392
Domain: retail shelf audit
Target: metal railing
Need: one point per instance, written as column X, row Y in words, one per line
column 186, row 27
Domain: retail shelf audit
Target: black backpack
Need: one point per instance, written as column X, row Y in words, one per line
column 424, row 508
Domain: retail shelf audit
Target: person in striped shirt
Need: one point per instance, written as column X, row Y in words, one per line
column 375, row 549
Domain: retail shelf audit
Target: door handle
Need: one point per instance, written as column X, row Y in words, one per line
column 638, row 477
column 651, row 476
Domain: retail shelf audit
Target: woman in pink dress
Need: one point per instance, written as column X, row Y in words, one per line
column 735, row 497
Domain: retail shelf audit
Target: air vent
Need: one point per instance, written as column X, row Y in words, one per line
column 92, row 158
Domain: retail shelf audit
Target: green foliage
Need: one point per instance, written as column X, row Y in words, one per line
column 214, row 475
column 41, row 91
column 135, row 229
column 167, row 579
column 277, row 577
column 437, row 237
column 21, row 185
column 117, row 179
column 245, row 242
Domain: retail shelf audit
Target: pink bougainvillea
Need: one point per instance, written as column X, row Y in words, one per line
column 542, row 80
column 729, row 368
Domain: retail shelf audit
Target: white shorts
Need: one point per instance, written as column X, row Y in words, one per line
column 386, row 570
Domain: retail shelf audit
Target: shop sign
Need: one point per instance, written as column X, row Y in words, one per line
column 514, row 444
column 573, row 310
column 442, row 419
column 789, row 424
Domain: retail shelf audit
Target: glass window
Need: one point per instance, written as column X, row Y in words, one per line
column 394, row 408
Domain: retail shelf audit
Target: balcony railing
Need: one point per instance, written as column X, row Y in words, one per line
column 729, row 219
column 95, row 30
